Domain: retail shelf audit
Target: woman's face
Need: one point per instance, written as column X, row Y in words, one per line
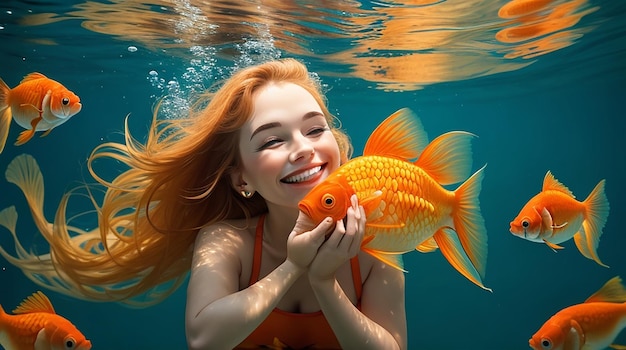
column 286, row 146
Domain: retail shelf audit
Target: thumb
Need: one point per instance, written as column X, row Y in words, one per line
column 318, row 234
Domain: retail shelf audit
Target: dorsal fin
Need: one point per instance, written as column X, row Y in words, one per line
column 448, row 158
column 37, row 302
column 612, row 291
column 401, row 136
column 33, row 76
column 551, row 183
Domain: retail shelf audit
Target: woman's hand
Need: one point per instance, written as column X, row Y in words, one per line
column 305, row 239
column 342, row 245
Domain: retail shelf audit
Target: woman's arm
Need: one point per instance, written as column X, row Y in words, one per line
column 218, row 315
column 381, row 323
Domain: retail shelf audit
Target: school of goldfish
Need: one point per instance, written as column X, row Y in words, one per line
column 408, row 208
column 400, row 180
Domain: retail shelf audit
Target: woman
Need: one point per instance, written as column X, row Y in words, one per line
column 218, row 193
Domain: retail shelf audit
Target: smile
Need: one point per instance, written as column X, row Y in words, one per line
column 303, row 176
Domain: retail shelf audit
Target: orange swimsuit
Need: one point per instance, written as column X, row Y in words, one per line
column 293, row 330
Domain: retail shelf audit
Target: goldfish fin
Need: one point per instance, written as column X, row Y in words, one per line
column 8, row 220
column 452, row 249
column 26, row 135
column 367, row 239
column 46, row 133
column 617, row 347
column 551, row 183
column 5, row 124
column 552, row 246
column 448, row 158
column 596, row 214
column 42, row 341
column 33, row 76
column 371, row 202
column 392, row 259
column 401, row 136
column 613, row 291
column 24, row 172
column 37, row 302
column 546, row 221
column 575, row 338
column 469, row 223
column 430, row 245
column 5, row 91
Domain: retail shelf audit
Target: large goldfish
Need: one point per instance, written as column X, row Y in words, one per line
column 554, row 216
column 406, row 205
column 36, row 104
column 592, row 325
column 35, row 326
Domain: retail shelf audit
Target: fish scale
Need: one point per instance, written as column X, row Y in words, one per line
column 407, row 193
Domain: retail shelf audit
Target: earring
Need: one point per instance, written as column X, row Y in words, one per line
column 246, row 194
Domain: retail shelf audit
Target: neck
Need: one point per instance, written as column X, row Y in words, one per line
column 279, row 223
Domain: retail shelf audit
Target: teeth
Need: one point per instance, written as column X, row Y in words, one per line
column 303, row 176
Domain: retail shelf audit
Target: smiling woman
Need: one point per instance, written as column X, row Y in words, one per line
column 229, row 179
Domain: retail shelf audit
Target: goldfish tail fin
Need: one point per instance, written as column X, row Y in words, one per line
column 448, row 158
column 24, row 172
column 596, row 214
column 5, row 90
column 448, row 242
column 469, row 223
column 5, row 124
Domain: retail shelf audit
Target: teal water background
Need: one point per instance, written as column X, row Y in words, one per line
column 559, row 109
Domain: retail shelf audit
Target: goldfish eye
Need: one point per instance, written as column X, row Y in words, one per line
column 328, row 201
column 70, row 343
column 546, row 343
column 525, row 224
column 65, row 101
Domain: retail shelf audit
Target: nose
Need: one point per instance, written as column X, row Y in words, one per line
column 302, row 149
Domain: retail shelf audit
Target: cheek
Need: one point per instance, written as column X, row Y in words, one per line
column 329, row 146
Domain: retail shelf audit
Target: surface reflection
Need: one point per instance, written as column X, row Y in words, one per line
column 396, row 45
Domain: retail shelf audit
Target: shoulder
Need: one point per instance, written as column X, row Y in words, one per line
column 230, row 239
column 374, row 271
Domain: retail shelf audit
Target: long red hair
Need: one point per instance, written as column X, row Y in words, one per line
column 169, row 187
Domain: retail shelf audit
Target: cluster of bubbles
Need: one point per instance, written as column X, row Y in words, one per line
column 176, row 95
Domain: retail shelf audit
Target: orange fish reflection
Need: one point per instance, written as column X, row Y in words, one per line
column 395, row 44
column 541, row 26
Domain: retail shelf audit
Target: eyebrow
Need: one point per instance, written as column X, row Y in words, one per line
column 267, row 126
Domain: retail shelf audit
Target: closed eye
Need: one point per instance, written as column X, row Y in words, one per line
column 317, row 131
column 269, row 143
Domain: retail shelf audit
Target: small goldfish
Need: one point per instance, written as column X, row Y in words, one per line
column 406, row 205
column 36, row 104
column 554, row 216
column 35, row 326
column 592, row 325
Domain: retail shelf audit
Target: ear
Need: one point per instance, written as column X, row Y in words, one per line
column 238, row 182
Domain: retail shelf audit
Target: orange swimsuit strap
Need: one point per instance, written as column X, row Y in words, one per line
column 294, row 330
